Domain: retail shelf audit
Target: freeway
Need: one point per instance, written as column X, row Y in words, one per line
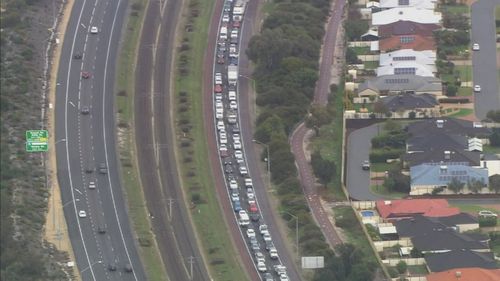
column 155, row 145
column 484, row 65
column 101, row 238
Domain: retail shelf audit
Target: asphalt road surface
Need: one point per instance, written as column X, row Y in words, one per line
column 85, row 141
column 358, row 150
column 484, row 61
column 155, row 146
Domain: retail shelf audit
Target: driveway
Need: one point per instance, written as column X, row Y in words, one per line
column 484, row 65
column 358, row 150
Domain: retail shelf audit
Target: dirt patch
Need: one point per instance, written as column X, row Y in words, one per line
column 56, row 231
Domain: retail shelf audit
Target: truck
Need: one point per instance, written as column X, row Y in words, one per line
column 244, row 220
column 232, row 74
column 239, row 10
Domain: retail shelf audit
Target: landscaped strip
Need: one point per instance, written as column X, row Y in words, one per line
column 192, row 153
column 150, row 255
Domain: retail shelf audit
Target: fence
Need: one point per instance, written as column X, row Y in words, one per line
column 380, row 245
column 408, row 261
column 363, row 205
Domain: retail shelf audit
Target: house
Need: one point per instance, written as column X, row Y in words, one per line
column 466, row 274
column 442, row 241
column 405, row 27
column 392, row 210
column 460, row 259
column 429, row 176
column 402, row 106
column 450, row 126
column 418, row 224
column 407, row 67
column 420, row 4
column 370, row 35
column 408, row 14
column 414, row 42
column 422, row 57
column 396, row 84
column 492, row 163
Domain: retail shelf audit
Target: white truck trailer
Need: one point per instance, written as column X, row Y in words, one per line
column 232, row 74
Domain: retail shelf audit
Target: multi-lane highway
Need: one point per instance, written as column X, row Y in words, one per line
column 85, row 144
column 484, row 60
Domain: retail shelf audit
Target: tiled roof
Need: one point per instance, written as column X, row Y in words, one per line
column 390, row 209
column 438, row 140
column 418, row 225
column 427, row 57
column 403, row 27
column 443, row 155
column 443, row 240
column 460, row 259
column 424, row 4
column 403, row 83
column 450, row 126
column 418, row 43
column 409, row 101
column 407, row 14
column 466, row 274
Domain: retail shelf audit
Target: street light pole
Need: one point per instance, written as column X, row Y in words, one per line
column 268, row 162
column 296, row 230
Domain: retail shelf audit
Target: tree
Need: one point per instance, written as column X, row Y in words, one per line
column 495, row 137
column 323, row 169
column 412, row 115
column 495, row 183
column 396, row 181
column 416, row 253
column 494, row 115
column 475, row 185
column 355, row 28
column 451, row 90
column 456, row 185
column 379, row 107
column 351, row 57
column 391, row 125
column 401, row 267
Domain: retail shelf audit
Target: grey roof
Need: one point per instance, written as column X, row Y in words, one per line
column 460, row 259
column 420, row 225
column 396, row 83
column 436, row 141
column 442, row 240
column 409, row 101
column 443, row 155
column 450, row 126
column 437, row 174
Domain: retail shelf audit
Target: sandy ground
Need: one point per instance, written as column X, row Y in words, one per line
column 55, row 228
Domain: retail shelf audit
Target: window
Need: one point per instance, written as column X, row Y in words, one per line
column 408, row 58
column 397, row 81
column 406, row 39
column 404, row 2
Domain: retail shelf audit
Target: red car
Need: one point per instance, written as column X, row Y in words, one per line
column 253, row 208
column 218, row 89
column 236, row 24
column 221, row 60
column 86, row 74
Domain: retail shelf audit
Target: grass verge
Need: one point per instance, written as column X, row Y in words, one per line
column 462, row 112
column 474, row 209
column 197, row 180
column 382, row 190
column 138, row 215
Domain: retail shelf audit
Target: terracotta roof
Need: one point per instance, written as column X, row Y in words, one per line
column 403, row 27
column 466, row 274
column 420, row 43
column 397, row 209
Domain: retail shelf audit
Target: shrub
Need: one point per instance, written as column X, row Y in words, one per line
column 383, row 155
column 487, row 221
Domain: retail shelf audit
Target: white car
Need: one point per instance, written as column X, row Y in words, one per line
column 477, row 88
column 222, row 147
column 235, row 196
column 92, row 185
column 250, row 232
column 218, row 81
column 225, row 18
column 284, row 277
column 250, row 193
column 233, row 184
column 219, row 113
column 220, row 125
column 219, row 104
column 260, row 257
column 218, row 97
column 261, row 267
column 238, row 154
column 243, row 170
column 267, row 237
column 280, row 269
column 94, row 30
column 82, row 214
column 475, row 47
column 233, row 105
column 232, row 95
column 236, row 137
column 273, row 253
column 237, row 144
column 263, row 229
column 248, row 183
column 486, row 213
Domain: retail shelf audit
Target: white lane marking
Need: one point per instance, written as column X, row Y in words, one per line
column 83, row 25
column 67, row 145
column 104, row 136
column 72, row 104
column 78, row 191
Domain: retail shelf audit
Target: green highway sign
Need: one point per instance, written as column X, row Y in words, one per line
column 37, row 140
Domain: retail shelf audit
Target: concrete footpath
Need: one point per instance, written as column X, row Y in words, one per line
column 56, row 231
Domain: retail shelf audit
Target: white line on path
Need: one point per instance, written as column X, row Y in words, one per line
column 72, row 104
column 78, row 191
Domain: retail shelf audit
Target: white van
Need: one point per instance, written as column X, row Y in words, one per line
column 223, row 33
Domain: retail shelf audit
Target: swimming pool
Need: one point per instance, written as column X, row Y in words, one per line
column 367, row 213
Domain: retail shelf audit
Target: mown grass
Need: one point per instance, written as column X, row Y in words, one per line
column 371, row 64
column 456, row 9
column 196, row 176
column 382, row 190
column 361, row 50
column 138, row 215
column 462, row 112
column 491, row 149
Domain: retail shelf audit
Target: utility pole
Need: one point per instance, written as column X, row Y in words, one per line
column 191, row 262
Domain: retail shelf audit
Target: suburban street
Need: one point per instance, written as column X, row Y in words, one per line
column 300, row 134
column 484, row 62
column 101, row 238
column 358, row 150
